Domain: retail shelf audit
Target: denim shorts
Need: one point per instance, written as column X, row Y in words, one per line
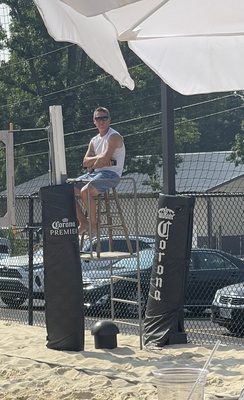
column 102, row 180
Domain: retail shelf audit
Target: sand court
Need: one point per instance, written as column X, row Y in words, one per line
column 28, row 370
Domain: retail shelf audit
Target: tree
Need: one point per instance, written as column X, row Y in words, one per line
column 30, row 83
column 41, row 72
column 186, row 134
column 237, row 150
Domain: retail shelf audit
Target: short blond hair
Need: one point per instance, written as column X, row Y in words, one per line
column 101, row 109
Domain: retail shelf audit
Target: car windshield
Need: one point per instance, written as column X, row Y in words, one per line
column 119, row 245
column 204, row 260
column 146, row 257
column 4, row 249
column 39, row 253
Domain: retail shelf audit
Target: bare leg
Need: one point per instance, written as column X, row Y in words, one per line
column 92, row 203
column 83, row 223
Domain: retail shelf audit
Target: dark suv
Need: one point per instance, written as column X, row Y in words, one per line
column 209, row 270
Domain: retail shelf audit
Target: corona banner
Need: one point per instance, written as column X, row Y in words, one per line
column 164, row 323
column 62, row 269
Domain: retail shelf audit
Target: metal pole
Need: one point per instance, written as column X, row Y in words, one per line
column 56, row 136
column 9, row 218
column 168, row 140
column 209, row 222
column 30, row 251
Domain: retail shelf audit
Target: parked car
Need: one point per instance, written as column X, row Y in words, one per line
column 97, row 285
column 209, row 270
column 14, row 278
column 14, row 271
column 228, row 308
column 5, row 247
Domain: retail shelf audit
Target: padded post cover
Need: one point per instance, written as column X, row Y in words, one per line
column 164, row 313
column 64, row 307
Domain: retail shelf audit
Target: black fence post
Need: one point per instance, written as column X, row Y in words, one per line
column 209, row 222
column 30, row 253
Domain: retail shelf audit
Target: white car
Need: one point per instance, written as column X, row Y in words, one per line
column 228, row 308
column 14, row 279
column 14, row 271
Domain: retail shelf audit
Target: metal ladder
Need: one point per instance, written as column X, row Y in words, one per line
column 137, row 280
column 105, row 218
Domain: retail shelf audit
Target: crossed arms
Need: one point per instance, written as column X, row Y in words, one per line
column 92, row 161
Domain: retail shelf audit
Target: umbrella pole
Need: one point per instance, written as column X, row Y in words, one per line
column 168, row 155
column 168, row 140
column 164, row 322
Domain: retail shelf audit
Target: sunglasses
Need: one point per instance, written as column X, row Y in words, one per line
column 103, row 118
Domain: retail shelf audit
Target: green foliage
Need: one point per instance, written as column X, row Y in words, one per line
column 3, row 38
column 41, row 72
column 18, row 241
column 237, row 150
column 186, row 135
column 2, row 167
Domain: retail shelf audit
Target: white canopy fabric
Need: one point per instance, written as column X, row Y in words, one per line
column 96, row 36
column 195, row 46
column 89, row 8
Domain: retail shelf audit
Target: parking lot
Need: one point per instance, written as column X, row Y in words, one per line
column 199, row 331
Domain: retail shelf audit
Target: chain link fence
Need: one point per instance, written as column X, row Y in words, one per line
column 214, row 306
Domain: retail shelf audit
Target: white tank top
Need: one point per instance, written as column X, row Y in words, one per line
column 100, row 144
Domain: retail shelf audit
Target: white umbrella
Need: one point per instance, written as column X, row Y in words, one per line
column 95, row 35
column 95, row 7
column 195, row 46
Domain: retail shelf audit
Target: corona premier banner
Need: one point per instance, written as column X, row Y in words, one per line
column 62, row 269
column 164, row 314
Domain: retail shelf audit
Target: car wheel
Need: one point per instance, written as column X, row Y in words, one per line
column 237, row 329
column 13, row 302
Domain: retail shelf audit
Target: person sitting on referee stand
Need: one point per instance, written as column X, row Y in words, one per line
column 104, row 161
